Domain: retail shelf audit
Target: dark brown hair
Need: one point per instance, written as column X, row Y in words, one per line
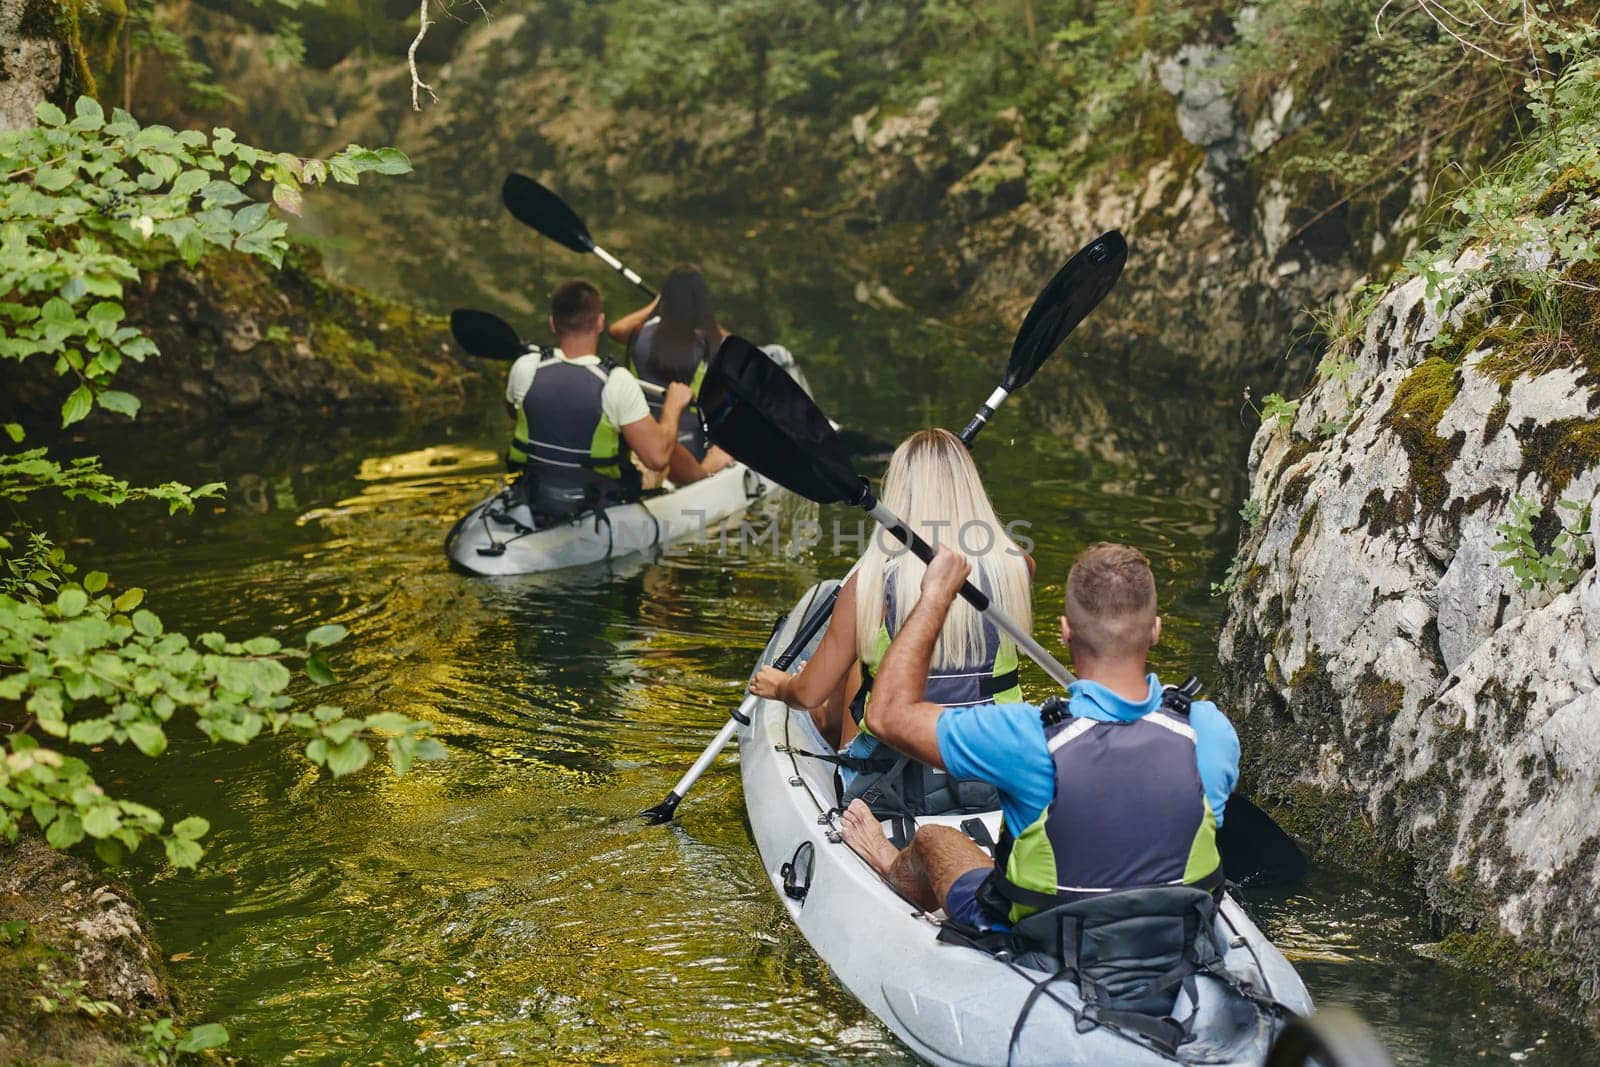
column 574, row 307
column 1111, row 600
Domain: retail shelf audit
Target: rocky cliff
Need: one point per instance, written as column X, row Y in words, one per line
column 1222, row 266
column 1402, row 693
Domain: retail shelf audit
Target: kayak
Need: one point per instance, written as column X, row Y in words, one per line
column 498, row 536
column 954, row 1003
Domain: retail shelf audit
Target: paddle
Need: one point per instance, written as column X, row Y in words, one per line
column 762, row 418
column 491, row 337
column 1081, row 283
column 535, row 205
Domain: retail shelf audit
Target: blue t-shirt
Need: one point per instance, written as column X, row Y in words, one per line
column 1003, row 744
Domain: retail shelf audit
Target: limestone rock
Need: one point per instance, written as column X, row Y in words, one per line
column 1379, row 653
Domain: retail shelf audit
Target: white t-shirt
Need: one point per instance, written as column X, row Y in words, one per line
column 621, row 401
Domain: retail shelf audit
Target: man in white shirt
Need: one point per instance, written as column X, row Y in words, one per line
column 578, row 416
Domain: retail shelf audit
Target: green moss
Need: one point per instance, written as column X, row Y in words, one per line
column 1560, row 451
column 87, row 33
column 1496, row 420
column 1574, row 183
column 1307, row 517
column 1333, row 827
column 1419, row 403
column 1580, row 315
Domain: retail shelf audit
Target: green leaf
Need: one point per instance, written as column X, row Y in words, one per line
column 15, row 432
column 49, row 115
column 318, row 671
column 76, row 406
column 343, row 170
column 110, row 851
column 66, row 831
column 192, row 829
column 324, row 636
column 287, row 197
column 120, row 402
column 95, row 581
column 130, row 599
column 203, row 1037
column 71, row 601
column 388, row 720
column 147, row 623
column 90, row 732
column 90, row 115
column 317, row 751
column 262, row 646
column 429, row 749
column 182, row 853
column 221, row 194
column 148, row 738
column 54, row 179
column 105, row 317
column 249, row 219
column 348, row 756
column 102, row 820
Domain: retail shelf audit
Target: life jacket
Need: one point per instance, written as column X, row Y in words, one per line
column 577, row 459
column 1115, row 885
column 1099, row 834
column 517, row 451
column 691, row 427
column 894, row 785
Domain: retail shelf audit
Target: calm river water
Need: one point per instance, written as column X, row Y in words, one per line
column 503, row 905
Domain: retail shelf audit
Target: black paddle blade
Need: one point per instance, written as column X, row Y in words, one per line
column 1255, row 850
column 761, row 417
column 1075, row 291
column 485, row 335
column 533, row 205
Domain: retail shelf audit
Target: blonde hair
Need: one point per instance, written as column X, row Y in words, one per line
column 1111, row 600
column 934, row 486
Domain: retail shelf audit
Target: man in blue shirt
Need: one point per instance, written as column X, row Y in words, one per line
column 1123, row 792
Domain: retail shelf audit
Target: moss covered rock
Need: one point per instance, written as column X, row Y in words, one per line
column 78, row 970
column 1400, row 692
column 238, row 338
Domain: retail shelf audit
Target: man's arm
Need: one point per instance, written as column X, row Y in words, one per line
column 653, row 440
column 897, row 715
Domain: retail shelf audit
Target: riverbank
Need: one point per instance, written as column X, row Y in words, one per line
column 79, row 970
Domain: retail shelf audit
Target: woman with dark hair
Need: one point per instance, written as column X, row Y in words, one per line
column 671, row 339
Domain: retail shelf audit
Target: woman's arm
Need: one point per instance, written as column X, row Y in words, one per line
column 621, row 331
column 826, row 669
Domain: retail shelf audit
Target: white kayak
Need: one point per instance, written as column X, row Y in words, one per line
column 951, row 1003
column 498, row 537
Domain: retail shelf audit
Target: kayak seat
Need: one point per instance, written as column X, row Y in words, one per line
column 896, row 786
column 1131, row 953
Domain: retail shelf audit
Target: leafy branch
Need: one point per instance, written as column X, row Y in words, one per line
column 90, row 668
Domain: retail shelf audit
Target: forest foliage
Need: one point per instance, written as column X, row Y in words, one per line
column 95, row 200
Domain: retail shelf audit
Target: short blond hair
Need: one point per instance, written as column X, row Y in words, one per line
column 1111, row 600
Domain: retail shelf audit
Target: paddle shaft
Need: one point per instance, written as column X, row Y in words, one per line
column 970, row 593
column 622, row 268
column 814, row 621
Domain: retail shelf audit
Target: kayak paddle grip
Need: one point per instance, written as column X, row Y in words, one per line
column 981, row 417
column 979, row 420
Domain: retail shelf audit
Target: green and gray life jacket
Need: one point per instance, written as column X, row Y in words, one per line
column 892, row 783
column 574, row 454
column 1129, row 812
column 691, row 430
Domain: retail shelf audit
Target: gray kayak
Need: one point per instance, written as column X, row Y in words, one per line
column 499, row 535
column 950, row 1003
